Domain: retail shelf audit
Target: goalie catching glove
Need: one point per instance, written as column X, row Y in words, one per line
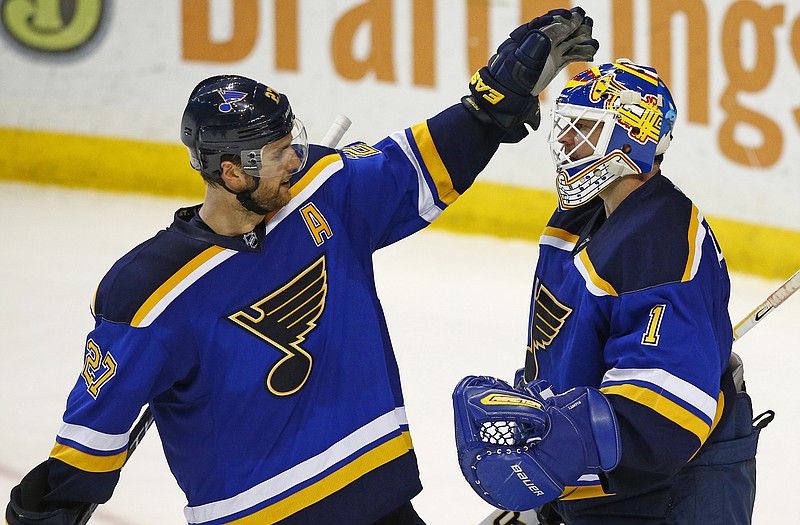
column 505, row 93
column 519, row 449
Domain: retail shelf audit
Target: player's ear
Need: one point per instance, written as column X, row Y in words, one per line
column 231, row 176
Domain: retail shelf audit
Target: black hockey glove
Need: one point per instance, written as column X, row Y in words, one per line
column 505, row 92
column 25, row 505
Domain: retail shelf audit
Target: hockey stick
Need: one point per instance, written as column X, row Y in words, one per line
column 337, row 130
column 784, row 291
column 339, row 127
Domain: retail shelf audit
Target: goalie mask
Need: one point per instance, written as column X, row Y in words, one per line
column 233, row 115
column 610, row 121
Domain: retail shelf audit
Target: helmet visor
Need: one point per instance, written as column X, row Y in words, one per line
column 287, row 155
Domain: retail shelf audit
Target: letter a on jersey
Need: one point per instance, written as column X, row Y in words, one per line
column 283, row 320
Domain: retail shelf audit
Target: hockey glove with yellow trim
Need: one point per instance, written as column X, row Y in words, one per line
column 505, row 92
column 518, row 450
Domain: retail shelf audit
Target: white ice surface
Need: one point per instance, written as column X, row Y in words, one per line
column 456, row 305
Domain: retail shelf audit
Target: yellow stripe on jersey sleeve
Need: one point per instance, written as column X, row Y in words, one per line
column 662, row 406
column 377, row 457
column 437, row 169
column 88, row 462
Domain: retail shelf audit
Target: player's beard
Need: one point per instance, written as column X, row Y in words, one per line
column 271, row 194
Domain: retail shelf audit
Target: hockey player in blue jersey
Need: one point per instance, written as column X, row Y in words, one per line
column 627, row 411
column 251, row 326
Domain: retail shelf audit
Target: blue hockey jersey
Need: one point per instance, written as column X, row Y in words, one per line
column 265, row 358
column 636, row 305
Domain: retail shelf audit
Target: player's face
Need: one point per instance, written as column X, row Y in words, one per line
column 273, row 193
column 279, row 161
column 579, row 139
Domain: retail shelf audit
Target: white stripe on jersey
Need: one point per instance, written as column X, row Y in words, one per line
column 298, row 474
column 555, row 242
column 93, row 439
column 426, row 205
column 663, row 380
column 400, row 414
column 698, row 245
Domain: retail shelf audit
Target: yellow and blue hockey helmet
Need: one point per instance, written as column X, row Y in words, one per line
column 619, row 117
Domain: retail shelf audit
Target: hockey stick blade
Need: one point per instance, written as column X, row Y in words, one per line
column 784, row 291
column 773, row 301
column 137, row 434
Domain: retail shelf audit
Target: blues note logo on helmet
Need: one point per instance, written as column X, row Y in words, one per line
column 610, row 121
column 234, row 115
column 229, row 97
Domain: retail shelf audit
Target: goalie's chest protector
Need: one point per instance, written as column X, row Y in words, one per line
column 630, row 292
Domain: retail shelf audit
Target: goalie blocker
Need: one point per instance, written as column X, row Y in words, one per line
column 519, row 449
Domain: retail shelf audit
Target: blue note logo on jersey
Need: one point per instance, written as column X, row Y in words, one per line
column 283, row 320
column 549, row 315
column 229, row 98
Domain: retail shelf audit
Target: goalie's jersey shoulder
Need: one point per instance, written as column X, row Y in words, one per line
column 648, row 241
column 141, row 272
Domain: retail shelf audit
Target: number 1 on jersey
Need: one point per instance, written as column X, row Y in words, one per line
column 651, row 334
